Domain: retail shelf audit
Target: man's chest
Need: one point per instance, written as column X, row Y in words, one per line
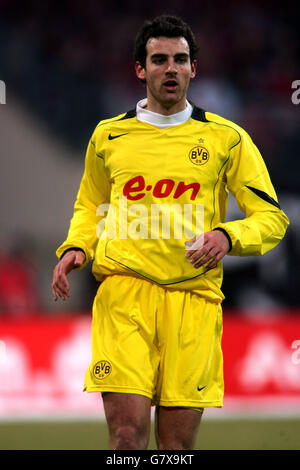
column 164, row 164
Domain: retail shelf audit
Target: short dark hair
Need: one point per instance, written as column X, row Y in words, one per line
column 167, row 26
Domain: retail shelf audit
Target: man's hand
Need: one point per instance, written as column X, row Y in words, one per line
column 210, row 247
column 60, row 285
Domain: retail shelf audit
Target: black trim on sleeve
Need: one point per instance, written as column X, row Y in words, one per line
column 75, row 248
column 264, row 196
column 226, row 235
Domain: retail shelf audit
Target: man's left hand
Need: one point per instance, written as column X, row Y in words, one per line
column 210, row 247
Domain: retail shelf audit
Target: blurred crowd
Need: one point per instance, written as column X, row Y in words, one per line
column 72, row 63
column 19, row 272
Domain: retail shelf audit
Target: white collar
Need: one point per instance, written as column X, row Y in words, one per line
column 161, row 120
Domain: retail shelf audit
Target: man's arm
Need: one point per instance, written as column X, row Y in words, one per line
column 79, row 247
column 94, row 190
column 248, row 180
column 264, row 224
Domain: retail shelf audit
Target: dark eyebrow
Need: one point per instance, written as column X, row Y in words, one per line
column 158, row 56
column 162, row 56
column 182, row 54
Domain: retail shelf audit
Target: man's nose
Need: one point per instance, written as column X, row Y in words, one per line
column 171, row 68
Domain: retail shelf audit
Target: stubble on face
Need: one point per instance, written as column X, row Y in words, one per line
column 168, row 71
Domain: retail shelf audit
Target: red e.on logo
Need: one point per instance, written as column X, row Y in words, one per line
column 133, row 189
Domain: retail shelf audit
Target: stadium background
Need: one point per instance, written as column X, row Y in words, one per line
column 65, row 67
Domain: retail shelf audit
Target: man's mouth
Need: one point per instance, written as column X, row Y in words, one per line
column 170, row 85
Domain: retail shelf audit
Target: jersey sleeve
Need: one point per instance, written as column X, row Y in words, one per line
column 248, row 180
column 94, row 190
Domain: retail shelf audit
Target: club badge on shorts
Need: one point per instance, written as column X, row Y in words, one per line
column 101, row 370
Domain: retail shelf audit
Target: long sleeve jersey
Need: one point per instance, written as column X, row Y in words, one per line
column 145, row 191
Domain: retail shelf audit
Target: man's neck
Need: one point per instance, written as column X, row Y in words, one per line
column 163, row 121
column 165, row 109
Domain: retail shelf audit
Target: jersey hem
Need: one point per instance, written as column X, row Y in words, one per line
column 148, row 276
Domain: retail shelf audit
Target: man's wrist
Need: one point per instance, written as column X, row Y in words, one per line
column 74, row 248
column 226, row 235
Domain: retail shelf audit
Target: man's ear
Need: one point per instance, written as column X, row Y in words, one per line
column 193, row 67
column 140, row 72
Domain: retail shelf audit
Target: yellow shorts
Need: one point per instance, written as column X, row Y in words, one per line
column 161, row 343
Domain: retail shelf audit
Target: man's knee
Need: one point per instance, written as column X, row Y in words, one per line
column 129, row 437
column 174, row 442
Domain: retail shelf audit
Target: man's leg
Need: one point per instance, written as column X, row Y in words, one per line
column 129, row 420
column 176, row 428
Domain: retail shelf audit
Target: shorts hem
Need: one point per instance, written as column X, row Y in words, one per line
column 188, row 404
column 154, row 400
column 106, row 388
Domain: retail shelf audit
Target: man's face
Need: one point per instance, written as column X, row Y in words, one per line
column 167, row 72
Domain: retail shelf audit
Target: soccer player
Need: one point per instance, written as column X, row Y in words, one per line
column 151, row 213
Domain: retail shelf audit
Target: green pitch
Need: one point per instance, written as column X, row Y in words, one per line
column 269, row 434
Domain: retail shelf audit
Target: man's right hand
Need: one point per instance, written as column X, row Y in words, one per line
column 60, row 285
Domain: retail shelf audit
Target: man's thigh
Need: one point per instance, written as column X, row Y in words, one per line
column 176, row 427
column 129, row 412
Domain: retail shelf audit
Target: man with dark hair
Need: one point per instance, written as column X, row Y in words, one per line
column 157, row 318
column 164, row 26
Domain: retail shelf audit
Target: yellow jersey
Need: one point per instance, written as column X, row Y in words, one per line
column 146, row 190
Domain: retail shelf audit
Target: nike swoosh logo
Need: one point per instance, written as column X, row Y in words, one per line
column 199, row 389
column 112, row 137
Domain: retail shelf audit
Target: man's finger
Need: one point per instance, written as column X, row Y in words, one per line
column 196, row 245
column 204, row 251
column 55, row 297
column 206, row 257
column 56, row 292
column 213, row 263
column 60, row 292
column 62, row 280
column 210, row 266
column 60, row 283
